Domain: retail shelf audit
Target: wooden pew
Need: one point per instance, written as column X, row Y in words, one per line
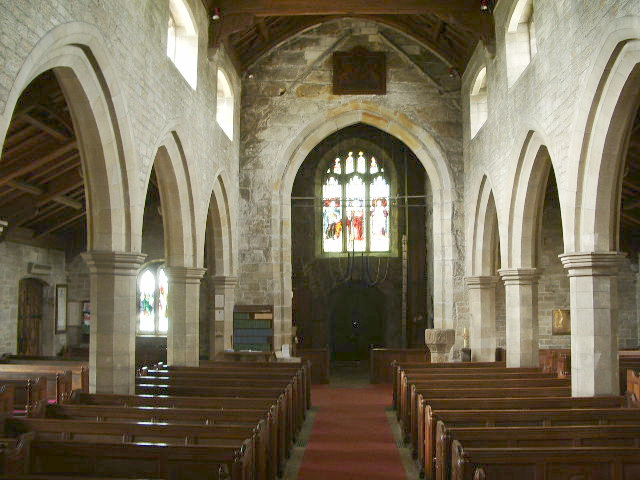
column 47, row 370
column 530, row 436
column 427, row 420
column 511, row 418
column 177, row 462
column 26, row 393
column 47, row 429
column 619, row 463
column 177, row 416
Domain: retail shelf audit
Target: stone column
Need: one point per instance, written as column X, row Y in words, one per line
column 594, row 322
column 221, row 329
column 439, row 341
column 183, row 304
column 521, row 292
column 482, row 304
column 112, row 344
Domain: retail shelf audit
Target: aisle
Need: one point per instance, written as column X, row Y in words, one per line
column 351, row 437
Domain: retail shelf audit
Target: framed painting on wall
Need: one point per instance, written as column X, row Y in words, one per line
column 61, row 308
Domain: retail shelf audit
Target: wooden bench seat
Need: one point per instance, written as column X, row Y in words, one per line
column 427, row 427
column 411, row 424
column 528, row 436
column 177, row 462
column 50, row 476
column 545, row 463
column 20, row 371
column 179, row 416
column 47, row 429
column 26, row 393
column 513, row 417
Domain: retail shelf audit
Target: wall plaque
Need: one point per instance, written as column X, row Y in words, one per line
column 561, row 322
column 359, row 72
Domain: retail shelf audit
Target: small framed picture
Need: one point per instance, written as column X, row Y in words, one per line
column 561, row 322
column 61, row 308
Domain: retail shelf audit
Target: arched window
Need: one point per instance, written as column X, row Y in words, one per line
column 520, row 40
column 356, row 195
column 478, row 106
column 153, row 287
column 182, row 41
column 224, row 111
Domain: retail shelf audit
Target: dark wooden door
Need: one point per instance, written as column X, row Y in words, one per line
column 357, row 321
column 29, row 316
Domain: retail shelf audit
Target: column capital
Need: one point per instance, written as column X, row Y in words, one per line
column 582, row 264
column 519, row 276
column 116, row 263
column 484, row 281
column 185, row 274
column 225, row 281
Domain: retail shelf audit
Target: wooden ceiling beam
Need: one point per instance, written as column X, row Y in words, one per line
column 263, row 30
column 44, row 127
column 63, row 223
column 30, row 166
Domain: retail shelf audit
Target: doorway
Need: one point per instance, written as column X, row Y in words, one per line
column 30, row 309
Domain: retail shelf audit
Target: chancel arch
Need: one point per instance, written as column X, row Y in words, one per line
column 431, row 157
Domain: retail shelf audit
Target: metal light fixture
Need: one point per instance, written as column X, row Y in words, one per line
column 485, row 6
column 217, row 14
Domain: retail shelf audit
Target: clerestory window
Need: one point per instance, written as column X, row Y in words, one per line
column 356, row 195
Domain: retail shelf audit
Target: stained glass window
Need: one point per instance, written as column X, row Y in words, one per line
column 356, row 195
column 153, row 289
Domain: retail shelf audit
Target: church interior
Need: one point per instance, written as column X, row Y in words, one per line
column 255, row 239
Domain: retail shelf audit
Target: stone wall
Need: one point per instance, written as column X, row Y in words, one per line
column 15, row 261
column 292, row 87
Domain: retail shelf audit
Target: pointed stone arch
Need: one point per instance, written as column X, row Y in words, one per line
column 430, row 155
column 598, row 150
column 76, row 53
column 484, row 233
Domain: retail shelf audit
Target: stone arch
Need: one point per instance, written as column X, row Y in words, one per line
column 484, row 232
column 597, row 152
column 525, row 213
column 76, row 53
column 431, row 157
column 220, row 219
column 176, row 196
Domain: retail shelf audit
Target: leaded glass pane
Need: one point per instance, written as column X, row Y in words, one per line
column 348, row 169
column 147, row 288
column 337, row 169
column 374, row 166
column 171, row 39
column 332, row 216
column 355, row 193
column 163, row 290
column 362, row 163
column 379, row 215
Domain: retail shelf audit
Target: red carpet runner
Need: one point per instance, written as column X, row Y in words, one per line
column 351, row 437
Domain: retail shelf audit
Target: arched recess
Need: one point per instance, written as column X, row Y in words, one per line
column 219, row 239
column 86, row 73
column 484, row 234
column 615, row 97
column 432, row 158
column 176, row 198
column 525, row 213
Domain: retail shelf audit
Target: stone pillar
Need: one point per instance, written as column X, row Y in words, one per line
column 221, row 329
column 594, row 322
column 482, row 304
column 112, row 344
column 183, row 305
column 439, row 341
column 521, row 295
